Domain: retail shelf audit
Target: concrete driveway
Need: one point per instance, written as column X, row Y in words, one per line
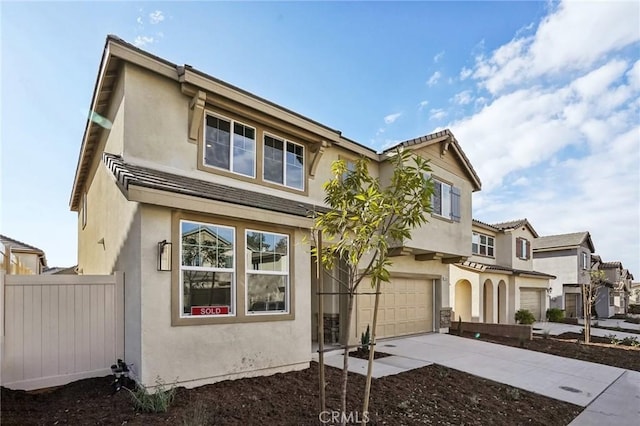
column 607, row 389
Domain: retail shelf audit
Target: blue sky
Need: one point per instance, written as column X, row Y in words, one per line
column 543, row 97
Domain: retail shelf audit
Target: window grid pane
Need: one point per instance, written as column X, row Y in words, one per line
column 244, row 147
column 267, row 275
column 273, row 160
column 217, row 142
column 207, row 268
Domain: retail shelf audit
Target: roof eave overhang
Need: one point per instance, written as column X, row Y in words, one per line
column 170, row 199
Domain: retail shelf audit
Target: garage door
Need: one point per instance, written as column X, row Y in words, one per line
column 531, row 300
column 406, row 307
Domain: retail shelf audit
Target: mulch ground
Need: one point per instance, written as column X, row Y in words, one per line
column 429, row 395
column 571, row 345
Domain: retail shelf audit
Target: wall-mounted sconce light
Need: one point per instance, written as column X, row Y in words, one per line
column 101, row 242
column 164, row 256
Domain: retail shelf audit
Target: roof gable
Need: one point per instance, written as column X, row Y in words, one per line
column 571, row 240
column 447, row 144
column 513, row 224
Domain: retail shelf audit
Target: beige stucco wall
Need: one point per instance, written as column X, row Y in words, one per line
column 207, row 353
column 440, row 234
column 564, row 267
column 523, row 264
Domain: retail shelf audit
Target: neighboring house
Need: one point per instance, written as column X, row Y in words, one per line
column 634, row 293
column 613, row 296
column 58, row 270
column 29, row 260
column 201, row 193
column 499, row 278
column 568, row 257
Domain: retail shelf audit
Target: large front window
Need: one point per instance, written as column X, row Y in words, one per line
column 267, row 278
column 230, row 145
column 283, row 162
column 207, row 269
column 482, row 245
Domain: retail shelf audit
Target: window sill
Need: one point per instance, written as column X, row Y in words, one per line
column 178, row 321
column 484, row 255
column 443, row 218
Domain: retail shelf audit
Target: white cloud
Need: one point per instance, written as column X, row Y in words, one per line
column 437, row 114
column 434, row 78
column 422, row 105
column 391, row 118
column 465, row 73
column 141, row 41
column 574, row 36
column 463, row 98
column 439, row 56
column 139, row 20
column 558, row 137
column 156, row 17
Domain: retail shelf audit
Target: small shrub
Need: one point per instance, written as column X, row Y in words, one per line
column 157, row 402
column 555, row 314
column 630, row 341
column 634, row 309
column 513, row 394
column 197, row 415
column 613, row 339
column 633, row 320
column 524, row 316
column 365, row 340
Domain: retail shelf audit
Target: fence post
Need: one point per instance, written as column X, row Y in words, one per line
column 119, row 307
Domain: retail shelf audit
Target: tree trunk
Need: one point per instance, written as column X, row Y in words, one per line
column 372, row 347
column 345, row 361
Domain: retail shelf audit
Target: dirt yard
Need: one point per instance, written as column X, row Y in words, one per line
column 430, row 395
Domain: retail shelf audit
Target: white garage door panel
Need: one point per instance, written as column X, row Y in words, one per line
column 406, row 307
column 531, row 300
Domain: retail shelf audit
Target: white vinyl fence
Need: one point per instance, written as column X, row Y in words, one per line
column 59, row 328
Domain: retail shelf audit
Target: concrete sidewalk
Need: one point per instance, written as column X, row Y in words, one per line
column 578, row 382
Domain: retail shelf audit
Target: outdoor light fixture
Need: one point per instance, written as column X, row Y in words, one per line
column 164, row 256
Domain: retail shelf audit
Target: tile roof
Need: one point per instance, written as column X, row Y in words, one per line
column 24, row 247
column 483, row 224
column 18, row 244
column 486, row 267
column 611, row 265
column 129, row 174
column 509, row 224
column 437, row 135
column 563, row 240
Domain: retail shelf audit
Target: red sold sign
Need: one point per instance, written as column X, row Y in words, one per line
column 209, row 310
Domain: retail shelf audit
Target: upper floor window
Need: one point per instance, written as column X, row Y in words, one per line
column 283, row 162
column 584, row 261
column 523, row 248
column 446, row 200
column 230, row 145
column 482, row 245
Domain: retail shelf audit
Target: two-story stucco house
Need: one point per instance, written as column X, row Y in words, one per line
column 568, row 257
column 499, row 278
column 200, row 192
column 613, row 296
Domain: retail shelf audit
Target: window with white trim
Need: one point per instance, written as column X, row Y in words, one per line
column 267, row 272
column 207, row 269
column 283, row 162
column 445, row 201
column 523, row 248
column 230, row 145
column 585, row 261
column 482, row 244
column 83, row 210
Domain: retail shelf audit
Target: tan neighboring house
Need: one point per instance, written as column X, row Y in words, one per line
column 200, row 192
column 634, row 293
column 499, row 278
column 568, row 257
column 27, row 259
